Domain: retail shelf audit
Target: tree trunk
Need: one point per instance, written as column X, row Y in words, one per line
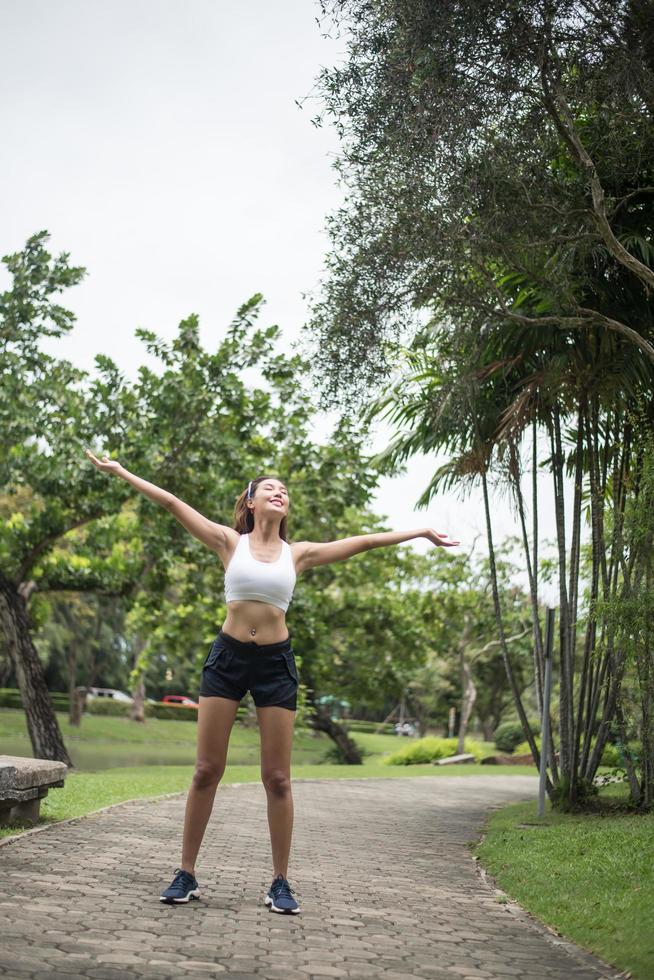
column 565, row 676
column 467, row 704
column 533, row 584
column 321, row 721
column 468, row 689
column 77, row 705
column 137, row 708
column 74, row 715
column 42, row 725
column 488, row 727
column 517, row 700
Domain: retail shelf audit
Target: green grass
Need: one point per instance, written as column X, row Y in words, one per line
column 104, row 742
column 590, row 876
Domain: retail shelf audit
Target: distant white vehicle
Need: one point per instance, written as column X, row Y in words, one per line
column 108, row 693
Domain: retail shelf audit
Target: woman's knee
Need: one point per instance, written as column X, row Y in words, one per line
column 207, row 773
column 276, row 781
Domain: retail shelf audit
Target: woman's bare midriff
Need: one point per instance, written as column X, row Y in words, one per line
column 260, row 622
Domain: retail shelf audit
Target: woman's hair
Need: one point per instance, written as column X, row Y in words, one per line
column 243, row 516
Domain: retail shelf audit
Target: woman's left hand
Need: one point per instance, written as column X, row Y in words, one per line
column 440, row 537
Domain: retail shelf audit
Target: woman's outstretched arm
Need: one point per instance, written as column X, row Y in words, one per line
column 210, row 533
column 311, row 553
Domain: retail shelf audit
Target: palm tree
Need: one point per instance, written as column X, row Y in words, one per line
column 486, row 398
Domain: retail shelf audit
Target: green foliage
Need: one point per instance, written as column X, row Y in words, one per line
column 509, row 735
column 170, row 712
column 564, row 801
column 10, row 698
column 167, row 712
column 369, row 726
column 194, row 426
column 627, row 616
column 467, row 194
column 107, row 707
column 428, row 749
column 522, row 748
column 334, row 756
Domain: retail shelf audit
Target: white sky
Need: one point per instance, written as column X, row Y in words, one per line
column 159, row 142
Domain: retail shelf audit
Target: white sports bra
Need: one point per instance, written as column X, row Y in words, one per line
column 265, row 581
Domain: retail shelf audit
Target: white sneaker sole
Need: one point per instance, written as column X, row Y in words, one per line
column 273, row 908
column 180, row 901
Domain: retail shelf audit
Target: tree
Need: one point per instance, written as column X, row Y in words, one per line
column 626, row 617
column 196, row 428
column 45, row 417
column 458, row 607
column 501, row 190
column 482, row 140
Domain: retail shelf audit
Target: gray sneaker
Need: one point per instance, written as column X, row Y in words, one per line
column 183, row 887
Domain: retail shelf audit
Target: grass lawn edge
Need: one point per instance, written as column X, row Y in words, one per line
column 585, row 954
column 49, row 824
column 45, row 823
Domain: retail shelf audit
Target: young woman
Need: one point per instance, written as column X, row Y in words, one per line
column 252, row 651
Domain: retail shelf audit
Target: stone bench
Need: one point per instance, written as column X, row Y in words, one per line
column 23, row 784
column 454, row 759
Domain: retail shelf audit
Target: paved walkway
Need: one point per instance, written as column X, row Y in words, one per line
column 387, row 886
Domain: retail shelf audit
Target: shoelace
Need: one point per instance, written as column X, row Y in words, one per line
column 281, row 887
column 180, row 874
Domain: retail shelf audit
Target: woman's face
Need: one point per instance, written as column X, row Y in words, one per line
column 270, row 496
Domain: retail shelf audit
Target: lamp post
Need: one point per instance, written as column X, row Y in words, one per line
column 545, row 723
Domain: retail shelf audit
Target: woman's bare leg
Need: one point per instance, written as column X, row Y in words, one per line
column 215, row 720
column 276, row 733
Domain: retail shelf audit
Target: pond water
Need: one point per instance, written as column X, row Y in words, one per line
column 108, row 755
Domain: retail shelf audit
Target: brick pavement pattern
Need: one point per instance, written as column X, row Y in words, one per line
column 387, row 886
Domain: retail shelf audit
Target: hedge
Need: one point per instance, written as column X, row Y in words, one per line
column 612, row 755
column 10, row 698
column 510, row 734
column 369, row 726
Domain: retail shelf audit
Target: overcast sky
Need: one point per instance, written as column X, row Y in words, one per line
column 159, row 142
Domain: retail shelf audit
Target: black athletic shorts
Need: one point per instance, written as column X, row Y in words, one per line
column 267, row 670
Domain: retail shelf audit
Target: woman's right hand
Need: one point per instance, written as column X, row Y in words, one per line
column 105, row 464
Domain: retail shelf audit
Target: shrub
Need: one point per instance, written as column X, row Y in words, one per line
column 107, row 706
column 10, row 698
column 352, row 725
column 611, row 756
column 333, row 755
column 523, row 748
column 172, row 712
column 510, row 734
column 432, row 747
